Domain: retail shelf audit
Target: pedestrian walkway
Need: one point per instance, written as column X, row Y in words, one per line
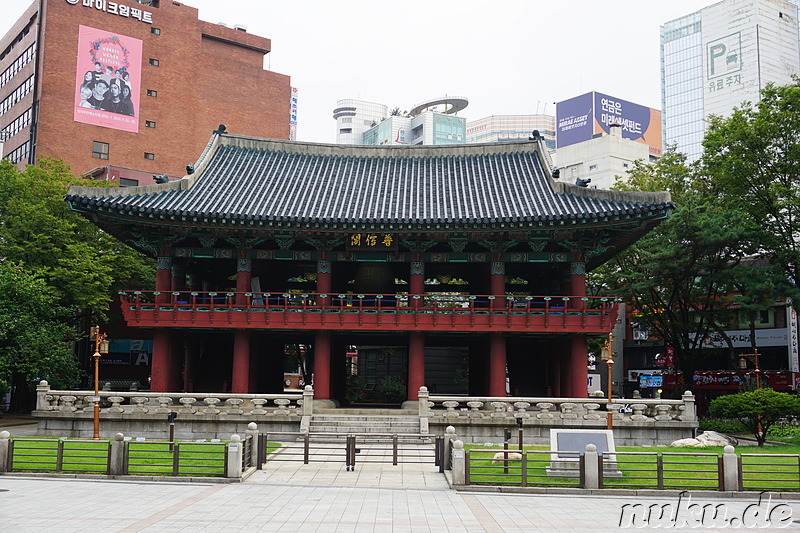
column 373, row 468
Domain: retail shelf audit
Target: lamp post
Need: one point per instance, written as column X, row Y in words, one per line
column 606, row 355
column 100, row 347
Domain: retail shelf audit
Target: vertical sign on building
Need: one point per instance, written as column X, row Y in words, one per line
column 794, row 359
column 293, row 115
column 108, row 79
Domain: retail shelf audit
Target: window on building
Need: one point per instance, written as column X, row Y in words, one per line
column 149, row 124
column 99, row 150
column 155, row 31
column 149, row 155
column 125, row 182
column 763, row 319
column 153, row 62
column 592, row 167
column 151, row 92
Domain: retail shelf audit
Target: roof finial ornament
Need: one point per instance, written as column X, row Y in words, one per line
column 535, row 136
column 160, row 178
column 190, row 168
column 221, row 129
column 583, row 182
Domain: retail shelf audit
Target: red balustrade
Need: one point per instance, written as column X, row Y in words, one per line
column 401, row 312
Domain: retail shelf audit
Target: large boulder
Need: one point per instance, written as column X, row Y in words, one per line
column 707, row 438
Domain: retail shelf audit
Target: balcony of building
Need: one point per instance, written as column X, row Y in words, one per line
column 450, row 312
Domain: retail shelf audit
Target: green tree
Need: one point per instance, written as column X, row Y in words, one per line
column 34, row 334
column 752, row 162
column 678, row 277
column 81, row 263
column 756, row 410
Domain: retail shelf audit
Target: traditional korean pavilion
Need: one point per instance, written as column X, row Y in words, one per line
column 461, row 267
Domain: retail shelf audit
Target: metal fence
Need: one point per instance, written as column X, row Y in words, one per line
column 763, row 471
column 140, row 457
column 661, row 470
column 350, row 448
column 524, row 469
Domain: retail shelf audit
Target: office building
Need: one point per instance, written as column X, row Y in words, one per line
column 132, row 84
column 504, row 128
column 719, row 57
column 432, row 122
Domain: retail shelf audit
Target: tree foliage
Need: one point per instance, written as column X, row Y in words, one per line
column 34, row 332
column 81, row 263
column 758, row 409
column 752, row 163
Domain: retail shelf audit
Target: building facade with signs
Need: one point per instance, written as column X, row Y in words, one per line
column 461, row 268
column 504, row 128
column 720, row 57
column 96, row 83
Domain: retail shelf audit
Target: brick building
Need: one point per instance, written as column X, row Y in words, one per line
column 176, row 78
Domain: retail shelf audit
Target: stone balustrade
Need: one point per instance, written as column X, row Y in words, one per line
column 50, row 401
column 558, row 411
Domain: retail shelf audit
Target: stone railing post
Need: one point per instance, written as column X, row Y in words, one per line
column 459, row 463
column 730, row 470
column 42, row 389
column 689, row 407
column 4, row 446
column 591, row 465
column 449, row 436
column 424, row 409
column 252, row 431
column 235, row 457
column 116, row 459
column 308, row 400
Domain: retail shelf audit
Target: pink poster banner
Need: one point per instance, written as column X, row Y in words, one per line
column 108, row 79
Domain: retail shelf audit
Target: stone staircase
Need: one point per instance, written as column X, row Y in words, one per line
column 366, row 422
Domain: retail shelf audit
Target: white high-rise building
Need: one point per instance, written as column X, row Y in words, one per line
column 354, row 117
column 504, row 128
column 719, row 57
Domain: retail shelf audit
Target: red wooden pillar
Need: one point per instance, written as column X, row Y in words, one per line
column 322, row 365
column 416, row 282
column 244, row 272
column 497, row 364
column 579, row 372
column 577, row 279
column 240, row 381
column 159, row 365
column 497, row 280
column 324, row 273
column 416, row 363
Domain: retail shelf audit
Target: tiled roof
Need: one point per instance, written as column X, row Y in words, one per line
column 266, row 181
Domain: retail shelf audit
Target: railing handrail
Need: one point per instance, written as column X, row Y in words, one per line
column 543, row 399
column 178, row 395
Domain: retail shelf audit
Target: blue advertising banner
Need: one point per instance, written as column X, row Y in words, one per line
column 574, row 122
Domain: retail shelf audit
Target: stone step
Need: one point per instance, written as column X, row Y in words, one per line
column 368, row 412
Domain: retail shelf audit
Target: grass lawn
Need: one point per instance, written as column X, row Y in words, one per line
column 681, row 468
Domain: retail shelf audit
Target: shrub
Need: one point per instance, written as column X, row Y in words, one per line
column 756, row 410
column 721, row 425
column 393, row 389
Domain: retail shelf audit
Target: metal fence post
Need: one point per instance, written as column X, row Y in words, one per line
column 262, row 443
column 524, row 469
column 5, row 457
column 660, row 471
column 60, row 455
column 394, row 449
column 306, row 447
column 176, row 458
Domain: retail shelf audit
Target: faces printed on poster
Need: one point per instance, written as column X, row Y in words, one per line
column 107, row 79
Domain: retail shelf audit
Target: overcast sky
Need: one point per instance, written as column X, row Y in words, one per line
column 505, row 56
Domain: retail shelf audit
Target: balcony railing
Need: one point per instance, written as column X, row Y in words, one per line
column 451, row 312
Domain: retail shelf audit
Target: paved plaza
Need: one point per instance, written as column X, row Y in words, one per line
column 288, row 496
column 324, row 497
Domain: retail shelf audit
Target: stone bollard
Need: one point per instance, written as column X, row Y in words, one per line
column 252, row 431
column 42, row 389
column 690, row 407
column 591, row 466
column 424, row 409
column 730, row 470
column 235, row 457
column 308, row 400
column 449, row 436
column 4, row 447
column 116, row 459
column 459, row 463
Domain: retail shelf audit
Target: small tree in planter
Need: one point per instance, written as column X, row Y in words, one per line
column 756, row 410
column 393, row 389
